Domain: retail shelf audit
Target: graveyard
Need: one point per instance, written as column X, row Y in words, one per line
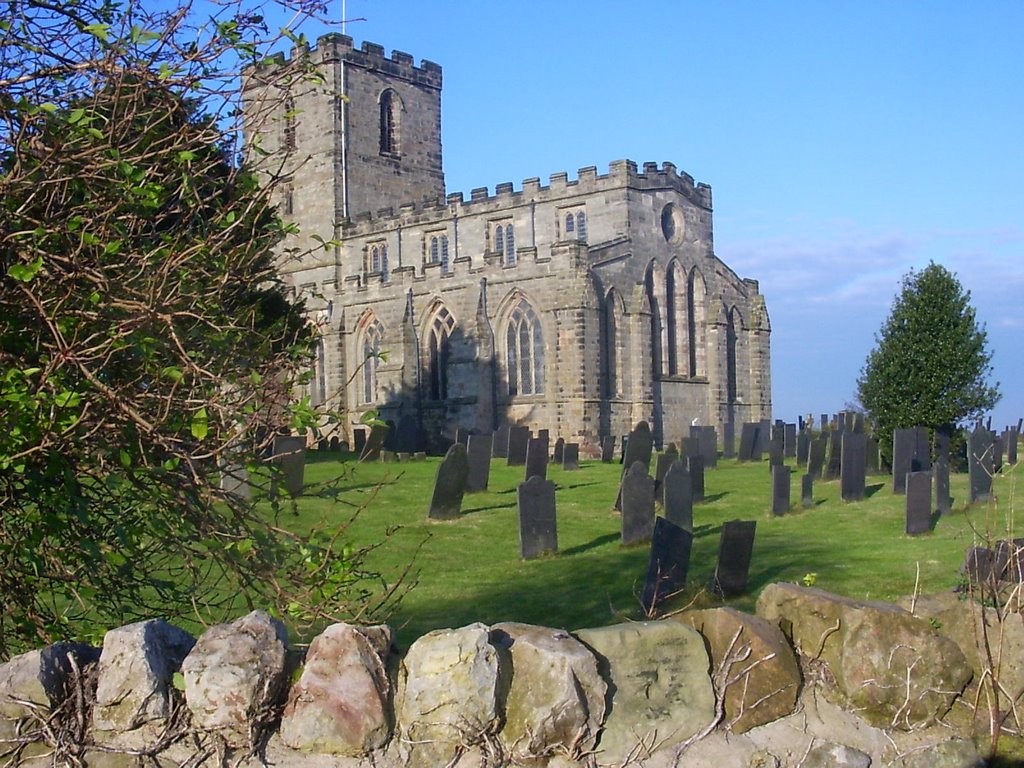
column 469, row 566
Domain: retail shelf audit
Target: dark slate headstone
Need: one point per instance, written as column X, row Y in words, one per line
column 776, row 450
column 544, row 434
column 289, row 453
column 691, row 446
column 748, row 438
column 789, row 441
column 234, row 480
column 637, row 505
column 919, row 502
column 940, row 471
column 668, row 564
column 571, row 456
column 980, row 464
column 665, row 460
column 803, row 448
column 679, row 496
column 872, row 465
column 1012, row 444
column 538, row 529
column 407, row 435
column 461, row 435
column 478, row 453
column 764, row 436
column 559, row 449
column 622, row 455
column 707, row 440
column 450, row 484
column 608, row 449
column 816, row 456
column 997, row 444
column 374, row 443
column 735, row 549
column 359, row 440
column 853, row 469
column 334, row 444
column 499, row 446
column 858, row 423
column 824, row 422
column 780, row 490
column 537, row 457
column 850, row 421
column 695, row 464
column 322, row 445
column 729, row 440
column 911, row 452
column 807, row 491
column 518, row 440
column 834, row 466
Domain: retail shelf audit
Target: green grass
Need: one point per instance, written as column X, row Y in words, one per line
column 469, row 569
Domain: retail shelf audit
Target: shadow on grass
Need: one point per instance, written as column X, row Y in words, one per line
column 487, row 509
column 713, row 497
column 871, row 490
column 592, row 544
column 577, row 485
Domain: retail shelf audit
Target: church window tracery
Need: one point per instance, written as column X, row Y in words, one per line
column 437, row 353
column 389, row 105
column 524, row 351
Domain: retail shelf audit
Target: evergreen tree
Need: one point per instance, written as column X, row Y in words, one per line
column 931, row 364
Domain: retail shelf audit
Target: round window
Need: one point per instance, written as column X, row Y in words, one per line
column 672, row 223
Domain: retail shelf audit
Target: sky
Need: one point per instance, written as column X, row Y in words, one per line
column 845, row 144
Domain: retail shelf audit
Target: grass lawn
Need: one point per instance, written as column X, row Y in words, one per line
column 469, row 569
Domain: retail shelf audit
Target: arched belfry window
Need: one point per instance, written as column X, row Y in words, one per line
column 289, row 139
column 570, row 224
column 390, row 108
column 524, row 351
column 510, row 245
column 581, row 226
column 437, row 350
column 370, row 347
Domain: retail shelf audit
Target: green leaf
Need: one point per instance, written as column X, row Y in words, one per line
column 200, row 424
column 178, row 681
column 99, row 31
column 26, row 273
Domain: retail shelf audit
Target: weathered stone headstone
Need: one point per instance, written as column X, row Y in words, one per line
column 289, row 453
column 853, row 469
column 537, row 457
column 807, row 491
column 665, row 460
column 544, row 434
column 707, row 438
column 789, row 441
column 518, row 440
column 234, row 480
column 678, row 495
column 559, row 449
column 450, row 484
column 478, row 454
column 1012, row 444
column 858, row 423
column 668, row 564
column 803, row 448
column 374, row 443
column 638, row 446
column 816, row 456
column 940, row 471
column 918, row 488
column 608, row 449
column 748, row 439
column 637, row 505
column 980, row 464
column 834, row 466
column 735, row 550
column 691, row 446
column 776, row 450
column 538, row 530
column 780, row 490
column 872, row 462
column 499, row 447
column 696, row 466
column 571, row 456
column 461, row 435
column 407, row 435
column 911, row 452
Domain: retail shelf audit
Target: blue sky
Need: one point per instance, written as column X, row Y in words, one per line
column 845, row 144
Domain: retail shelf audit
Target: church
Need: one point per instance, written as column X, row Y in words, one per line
column 580, row 306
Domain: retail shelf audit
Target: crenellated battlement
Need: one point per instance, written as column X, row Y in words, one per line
column 334, row 46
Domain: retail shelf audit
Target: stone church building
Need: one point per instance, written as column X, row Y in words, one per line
column 580, row 306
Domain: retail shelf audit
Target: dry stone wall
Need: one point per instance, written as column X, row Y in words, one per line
column 812, row 680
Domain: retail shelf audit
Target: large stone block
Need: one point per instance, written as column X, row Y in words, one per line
column 662, row 694
column 235, row 674
column 556, row 702
column 341, row 703
column 37, row 681
column 763, row 677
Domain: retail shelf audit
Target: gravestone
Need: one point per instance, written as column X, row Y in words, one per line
column 545, row 434
column 668, row 564
column 918, row 487
column 789, row 441
column 608, row 449
column 234, row 480
column 289, row 453
column 678, row 495
column 406, row 435
column 764, row 436
column 729, row 440
column 359, row 440
column 691, row 446
column 834, row 466
column 997, row 445
column 780, row 490
column 980, row 464
column 637, row 446
column 536, row 458
column 1012, row 442
column 748, row 439
column 559, row 449
column 871, row 463
column 637, row 505
column 735, row 550
column 622, row 455
column 707, row 440
column 816, row 456
column 824, row 423
column 776, row 450
column 853, row 468
column 940, row 470
column 695, row 464
column 518, row 441
column 858, row 423
column 461, row 436
column 571, row 457
column 803, row 448
column 389, row 437
column 807, row 491
column 478, row 454
column 665, row 460
column 943, row 441
column 450, row 484
column 322, row 445
column 538, row 530
column 499, row 446
column 911, row 452
column 334, row 444
column 374, row 443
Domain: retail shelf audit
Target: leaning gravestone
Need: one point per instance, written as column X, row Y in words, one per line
column 980, row 464
column 780, row 490
column 374, row 443
column 637, row 505
column 559, row 450
column 853, row 466
column 518, row 440
column 289, row 453
column 450, row 484
column 748, row 439
column 679, row 496
column 696, row 466
column 538, row 531
column 608, row 449
column 764, row 436
column 940, row 470
column 636, row 447
column 803, row 448
column 499, row 447
column 668, row 564
column 478, row 454
column 537, row 457
column 918, row 487
column 833, row 467
column 735, row 549
column 665, row 460
column 816, row 456
column 571, row 456
column 807, row 491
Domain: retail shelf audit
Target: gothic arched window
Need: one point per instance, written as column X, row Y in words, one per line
column 696, row 296
column 524, row 351
column 581, row 226
column 570, row 224
column 385, row 275
column 436, row 354
column 510, row 245
column 372, row 334
column 289, row 139
column 389, row 105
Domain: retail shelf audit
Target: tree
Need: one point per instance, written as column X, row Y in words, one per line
column 930, row 365
column 146, row 340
